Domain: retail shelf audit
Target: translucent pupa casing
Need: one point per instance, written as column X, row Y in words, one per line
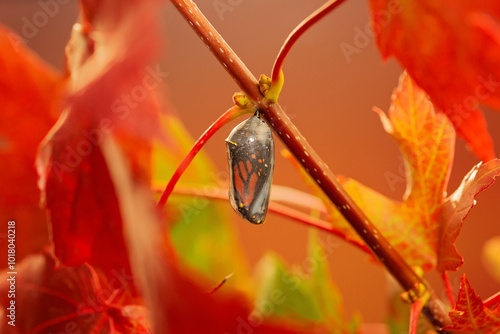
column 250, row 151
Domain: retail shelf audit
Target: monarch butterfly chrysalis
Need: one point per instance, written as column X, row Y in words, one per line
column 250, row 151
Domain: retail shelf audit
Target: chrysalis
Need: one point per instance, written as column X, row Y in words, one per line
column 250, row 151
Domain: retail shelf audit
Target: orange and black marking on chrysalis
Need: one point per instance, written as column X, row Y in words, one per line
column 250, row 151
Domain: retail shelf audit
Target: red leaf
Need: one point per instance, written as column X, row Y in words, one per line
column 83, row 208
column 28, row 88
column 451, row 49
column 470, row 315
column 457, row 207
column 112, row 94
column 61, row 300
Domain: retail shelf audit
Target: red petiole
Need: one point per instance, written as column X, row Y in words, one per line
column 299, row 31
column 284, row 211
column 493, row 301
column 228, row 116
column 449, row 291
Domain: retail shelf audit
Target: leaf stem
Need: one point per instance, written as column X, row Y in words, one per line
column 492, row 301
column 228, row 116
column 310, row 160
column 449, row 291
column 308, row 22
column 416, row 308
column 279, row 209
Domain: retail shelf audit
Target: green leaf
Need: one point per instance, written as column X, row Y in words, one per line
column 305, row 294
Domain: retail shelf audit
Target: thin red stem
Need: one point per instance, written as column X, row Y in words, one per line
column 284, row 211
column 304, row 218
column 492, row 301
column 449, row 290
column 228, row 116
column 298, row 31
column 416, row 308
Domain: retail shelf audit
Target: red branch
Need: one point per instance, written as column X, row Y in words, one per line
column 310, row 160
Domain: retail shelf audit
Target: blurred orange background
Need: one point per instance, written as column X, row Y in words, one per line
column 328, row 96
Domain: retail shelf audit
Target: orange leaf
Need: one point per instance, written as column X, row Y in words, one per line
column 426, row 140
column 470, row 315
column 457, row 207
column 425, row 225
column 451, row 49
